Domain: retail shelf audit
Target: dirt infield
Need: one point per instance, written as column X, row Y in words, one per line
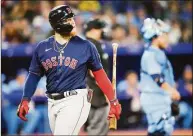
column 143, row 133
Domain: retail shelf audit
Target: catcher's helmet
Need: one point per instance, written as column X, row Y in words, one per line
column 94, row 23
column 57, row 16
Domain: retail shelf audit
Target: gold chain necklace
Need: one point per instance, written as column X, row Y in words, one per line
column 60, row 50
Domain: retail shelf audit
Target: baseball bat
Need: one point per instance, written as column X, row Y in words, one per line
column 113, row 121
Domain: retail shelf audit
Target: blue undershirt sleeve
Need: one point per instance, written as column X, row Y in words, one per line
column 30, row 85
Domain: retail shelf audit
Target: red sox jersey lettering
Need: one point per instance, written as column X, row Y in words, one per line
column 62, row 61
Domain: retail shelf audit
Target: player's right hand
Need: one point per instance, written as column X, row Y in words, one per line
column 115, row 109
column 175, row 95
column 23, row 109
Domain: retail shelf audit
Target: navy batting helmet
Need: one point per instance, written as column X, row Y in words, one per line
column 57, row 16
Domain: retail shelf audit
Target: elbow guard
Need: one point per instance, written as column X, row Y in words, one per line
column 159, row 79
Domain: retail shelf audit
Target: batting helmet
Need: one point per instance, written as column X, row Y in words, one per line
column 57, row 16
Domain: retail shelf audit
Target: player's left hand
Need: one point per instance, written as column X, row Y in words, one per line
column 115, row 109
column 23, row 109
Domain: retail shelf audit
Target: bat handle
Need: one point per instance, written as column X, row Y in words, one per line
column 113, row 123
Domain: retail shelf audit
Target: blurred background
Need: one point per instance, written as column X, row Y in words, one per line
column 25, row 23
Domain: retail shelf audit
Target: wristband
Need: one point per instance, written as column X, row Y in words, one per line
column 113, row 101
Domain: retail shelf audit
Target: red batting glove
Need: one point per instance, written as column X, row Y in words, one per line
column 23, row 109
column 115, row 109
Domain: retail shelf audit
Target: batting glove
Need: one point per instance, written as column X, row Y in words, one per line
column 23, row 109
column 115, row 109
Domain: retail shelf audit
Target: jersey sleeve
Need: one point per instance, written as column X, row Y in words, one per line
column 36, row 66
column 94, row 62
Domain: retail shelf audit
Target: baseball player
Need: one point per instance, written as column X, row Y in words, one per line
column 65, row 59
column 157, row 79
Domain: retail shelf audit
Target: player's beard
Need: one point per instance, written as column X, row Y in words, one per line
column 72, row 33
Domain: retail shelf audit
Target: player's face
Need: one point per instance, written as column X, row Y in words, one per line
column 72, row 22
column 163, row 41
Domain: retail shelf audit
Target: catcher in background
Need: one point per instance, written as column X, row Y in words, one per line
column 157, row 80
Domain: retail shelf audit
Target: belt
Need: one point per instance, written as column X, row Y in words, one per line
column 58, row 96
